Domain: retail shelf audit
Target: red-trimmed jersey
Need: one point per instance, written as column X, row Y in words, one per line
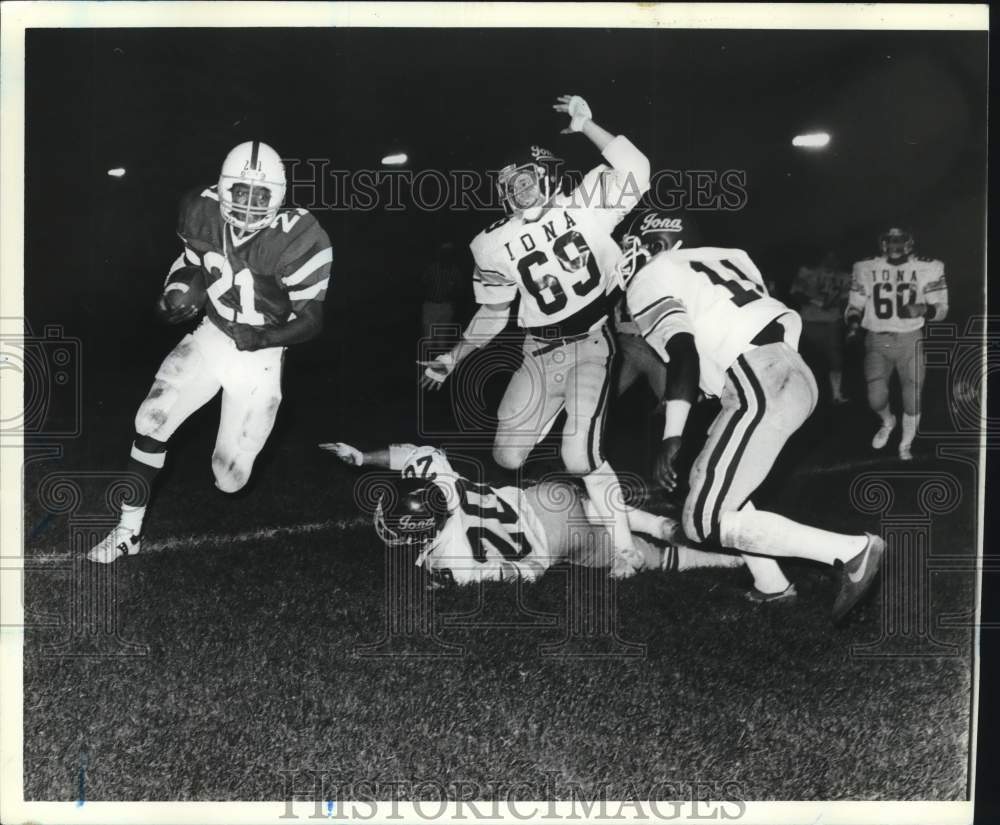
column 492, row 533
column 264, row 279
column 715, row 295
column 879, row 290
column 562, row 262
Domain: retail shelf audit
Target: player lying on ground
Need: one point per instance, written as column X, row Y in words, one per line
column 265, row 275
column 707, row 313
column 468, row 532
column 557, row 253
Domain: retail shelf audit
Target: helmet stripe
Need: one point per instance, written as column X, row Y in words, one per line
column 253, row 154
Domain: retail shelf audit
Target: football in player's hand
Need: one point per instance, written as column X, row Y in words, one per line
column 183, row 296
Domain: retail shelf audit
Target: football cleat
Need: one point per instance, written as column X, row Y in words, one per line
column 881, row 438
column 857, row 575
column 251, row 186
column 786, row 596
column 119, row 542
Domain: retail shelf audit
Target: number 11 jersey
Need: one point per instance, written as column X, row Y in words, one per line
column 715, row 295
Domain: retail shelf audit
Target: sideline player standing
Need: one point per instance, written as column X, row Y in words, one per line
column 558, row 253
column 891, row 297
column 266, row 274
column 707, row 312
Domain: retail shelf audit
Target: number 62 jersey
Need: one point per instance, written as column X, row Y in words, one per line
column 261, row 279
column 715, row 295
column 491, row 534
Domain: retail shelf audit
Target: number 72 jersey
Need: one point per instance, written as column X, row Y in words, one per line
column 715, row 295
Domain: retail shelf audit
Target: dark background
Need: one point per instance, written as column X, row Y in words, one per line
column 907, row 113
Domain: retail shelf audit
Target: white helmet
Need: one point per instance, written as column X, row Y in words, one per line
column 259, row 167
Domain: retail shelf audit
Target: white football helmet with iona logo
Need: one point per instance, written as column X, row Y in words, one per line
column 254, row 204
column 528, row 183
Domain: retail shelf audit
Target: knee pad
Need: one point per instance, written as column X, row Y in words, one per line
column 155, row 409
column 230, row 474
column 510, row 458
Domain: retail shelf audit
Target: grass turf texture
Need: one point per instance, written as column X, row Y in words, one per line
column 250, row 661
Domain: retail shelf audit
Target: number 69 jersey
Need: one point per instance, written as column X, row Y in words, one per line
column 562, row 262
column 717, row 296
column 879, row 291
column 261, row 279
column 491, row 534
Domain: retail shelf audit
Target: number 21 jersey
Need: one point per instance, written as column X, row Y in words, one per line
column 263, row 278
column 715, row 295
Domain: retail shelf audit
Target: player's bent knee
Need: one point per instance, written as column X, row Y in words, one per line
column 231, row 475
column 154, row 412
column 510, row 458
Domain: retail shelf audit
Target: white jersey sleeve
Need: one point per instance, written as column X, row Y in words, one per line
column 492, row 281
column 934, row 288
column 613, row 192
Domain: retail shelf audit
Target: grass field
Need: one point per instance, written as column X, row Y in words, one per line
column 240, row 654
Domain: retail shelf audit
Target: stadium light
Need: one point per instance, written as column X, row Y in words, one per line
column 117, row 172
column 811, row 140
column 395, row 160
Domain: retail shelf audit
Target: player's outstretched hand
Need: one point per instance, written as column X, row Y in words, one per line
column 436, row 371
column 578, row 110
column 345, row 452
column 666, row 463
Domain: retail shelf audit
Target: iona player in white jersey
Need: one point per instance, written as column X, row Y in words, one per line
column 463, row 532
column 557, row 254
column 708, row 315
column 892, row 295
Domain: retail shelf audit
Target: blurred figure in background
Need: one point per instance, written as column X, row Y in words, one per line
column 819, row 293
column 442, row 281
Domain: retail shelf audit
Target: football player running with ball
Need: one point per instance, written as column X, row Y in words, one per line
column 557, row 252
column 265, row 272
column 707, row 313
column 466, row 532
column 891, row 297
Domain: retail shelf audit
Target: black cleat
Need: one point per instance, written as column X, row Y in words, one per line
column 857, row 575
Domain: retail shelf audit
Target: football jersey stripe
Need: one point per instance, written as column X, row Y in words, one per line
column 596, row 434
column 734, row 463
column 324, row 256
column 655, row 303
column 309, row 292
column 192, row 256
column 661, row 319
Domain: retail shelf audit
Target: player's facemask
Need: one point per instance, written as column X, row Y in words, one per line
column 635, row 255
column 247, row 207
column 524, row 189
column 896, row 244
column 406, row 531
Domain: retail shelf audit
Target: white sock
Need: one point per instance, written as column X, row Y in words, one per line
column 688, row 559
column 888, row 419
column 763, row 533
column 132, row 518
column 608, row 503
column 910, row 424
column 659, row 527
column 767, row 575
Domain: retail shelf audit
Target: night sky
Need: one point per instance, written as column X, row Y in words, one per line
column 906, row 111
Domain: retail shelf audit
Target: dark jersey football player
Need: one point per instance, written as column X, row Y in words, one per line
column 264, row 272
